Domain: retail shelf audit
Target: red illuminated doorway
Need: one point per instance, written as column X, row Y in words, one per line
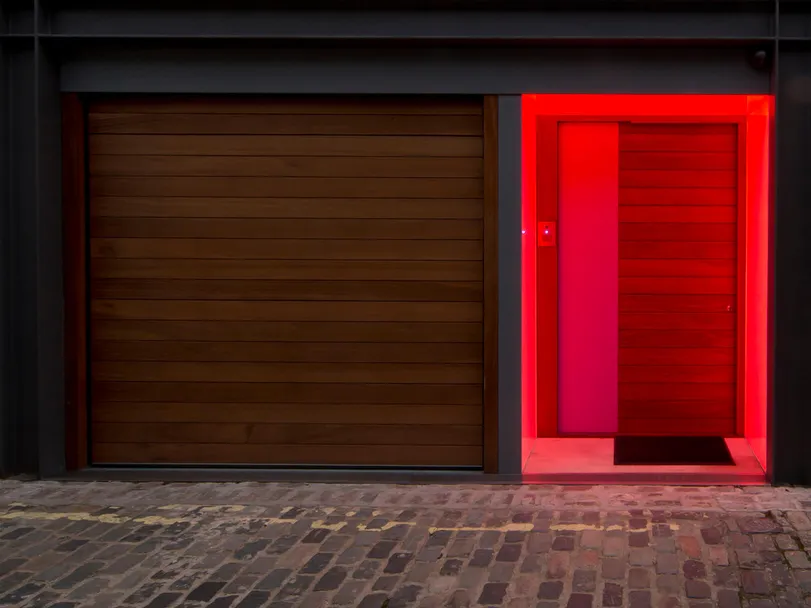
column 688, row 274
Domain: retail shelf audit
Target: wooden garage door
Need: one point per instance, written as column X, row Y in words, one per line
column 678, row 279
column 286, row 281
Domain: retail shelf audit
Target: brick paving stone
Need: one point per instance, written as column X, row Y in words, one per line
column 550, row 590
column 612, row 595
column 639, row 599
column 557, row 566
column 694, row 569
column 613, row 569
column 697, row 589
column 493, row 593
column 639, row 578
column 563, row 543
column 509, row 553
column 642, row 557
column 580, row 600
column 592, row 539
column 584, row 581
column 798, row 559
column 481, row 558
column 728, row 599
column 667, row 564
column 755, row 582
column 332, row 579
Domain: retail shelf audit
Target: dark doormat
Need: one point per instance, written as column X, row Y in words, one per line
column 671, row 450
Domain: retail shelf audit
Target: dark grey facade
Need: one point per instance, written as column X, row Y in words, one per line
column 488, row 48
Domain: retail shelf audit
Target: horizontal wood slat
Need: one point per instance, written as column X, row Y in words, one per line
column 676, row 303
column 294, row 434
column 654, row 178
column 275, row 124
column 630, row 250
column 684, row 197
column 669, row 410
column 306, row 187
column 319, row 352
column 214, row 391
column 288, row 413
column 678, row 278
column 675, row 231
column 212, row 289
column 285, row 249
column 285, row 331
column 286, row 270
column 666, row 142
column 678, row 161
column 284, row 166
column 307, row 229
column 704, row 426
column 678, row 285
column 285, row 145
column 676, row 356
column 287, row 281
column 678, row 320
column 172, row 371
column 246, row 310
column 715, row 268
column 313, row 208
column 717, row 214
column 687, row 391
column 676, row 338
column 677, row 373
column 375, row 105
column 202, row 453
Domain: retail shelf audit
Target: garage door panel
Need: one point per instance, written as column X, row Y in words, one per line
column 315, row 270
column 213, row 289
column 285, row 249
column 312, row 208
column 286, row 145
column 199, row 310
column 287, row 413
column 319, row 352
column 300, row 434
column 276, row 124
column 286, row 332
column 213, row 391
column 408, row 105
column 235, row 454
column 349, row 187
column 287, row 288
column 254, row 228
column 285, row 166
column 172, row 371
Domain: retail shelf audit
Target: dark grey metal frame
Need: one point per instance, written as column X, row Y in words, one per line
column 483, row 47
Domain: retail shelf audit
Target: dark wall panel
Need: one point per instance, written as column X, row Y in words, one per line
column 415, row 71
column 792, row 272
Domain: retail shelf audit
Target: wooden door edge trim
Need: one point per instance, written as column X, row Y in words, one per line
column 546, row 309
column 490, row 327
column 741, row 252
column 74, row 218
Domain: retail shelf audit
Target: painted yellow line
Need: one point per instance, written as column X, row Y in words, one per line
column 106, row 518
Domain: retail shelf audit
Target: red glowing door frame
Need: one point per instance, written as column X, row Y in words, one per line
column 548, row 112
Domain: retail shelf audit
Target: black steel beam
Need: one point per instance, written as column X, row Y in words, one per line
column 447, row 25
column 792, row 275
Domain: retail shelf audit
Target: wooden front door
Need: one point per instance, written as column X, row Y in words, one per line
column 287, row 282
column 678, row 279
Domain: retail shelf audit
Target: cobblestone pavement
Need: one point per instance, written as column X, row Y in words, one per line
column 248, row 545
